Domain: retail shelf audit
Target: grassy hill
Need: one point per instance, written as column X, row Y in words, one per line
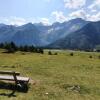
column 54, row 76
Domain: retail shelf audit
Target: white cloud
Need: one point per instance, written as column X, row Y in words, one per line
column 16, row 21
column 45, row 21
column 85, row 15
column 94, row 10
column 74, row 4
column 59, row 16
column 95, row 17
column 96, row 3
column 78, row 14
column 13, row 20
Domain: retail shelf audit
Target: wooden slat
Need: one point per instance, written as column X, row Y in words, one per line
column 11, row 78
column 9, row 72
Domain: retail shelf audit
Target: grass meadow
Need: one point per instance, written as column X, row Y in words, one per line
column 55, row 77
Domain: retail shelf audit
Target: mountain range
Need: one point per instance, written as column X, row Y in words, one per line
column 73, row 34
column 85, row 38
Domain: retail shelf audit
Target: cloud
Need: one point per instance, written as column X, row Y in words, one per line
column 45, row 21
column 13, row 20
column 59, row 16
column 85, row 15
column 78, row 14
column 74, row 4
column 81, row 10
column 94, row 10
column 96, row 3
column 95, row 17
column 16, row 21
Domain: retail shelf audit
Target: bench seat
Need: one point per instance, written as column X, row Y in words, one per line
column 11, row 78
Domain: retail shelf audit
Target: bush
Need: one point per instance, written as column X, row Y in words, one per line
column 55, row 53
column 10, row 47
column 40, row 50
column 90, row 56
column 49, row 53
column 71, row 54
column 99, row 57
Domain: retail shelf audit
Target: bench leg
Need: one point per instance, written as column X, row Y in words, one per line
column 23, row 86
column 15, row 78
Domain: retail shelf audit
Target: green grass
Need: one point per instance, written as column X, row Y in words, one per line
column 55, row 75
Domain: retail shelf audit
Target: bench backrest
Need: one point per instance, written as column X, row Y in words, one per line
column 10, row 73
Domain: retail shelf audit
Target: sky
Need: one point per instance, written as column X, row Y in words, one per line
column 19, row 12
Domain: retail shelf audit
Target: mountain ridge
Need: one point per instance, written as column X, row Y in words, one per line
column 85, row 38
column 38, row 34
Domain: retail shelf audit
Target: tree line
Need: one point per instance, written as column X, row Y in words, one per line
column 12, row 48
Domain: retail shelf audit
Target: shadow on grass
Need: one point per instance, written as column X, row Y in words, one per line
column 8, row 52
column 14, row 88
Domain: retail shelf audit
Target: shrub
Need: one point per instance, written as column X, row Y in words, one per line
column 99, row 57
column 90, row 56
column 71, row 54
column 55, row 53
column 49, row 53
column 40, row 50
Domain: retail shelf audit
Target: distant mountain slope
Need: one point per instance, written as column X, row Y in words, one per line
column 60, row 30
column 24, row 35
column 1, row 25
column 85, row 38
column 39, row 34
column 27, row 35
column 6, row 32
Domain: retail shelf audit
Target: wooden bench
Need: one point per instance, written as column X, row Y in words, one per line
column 14, row 76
